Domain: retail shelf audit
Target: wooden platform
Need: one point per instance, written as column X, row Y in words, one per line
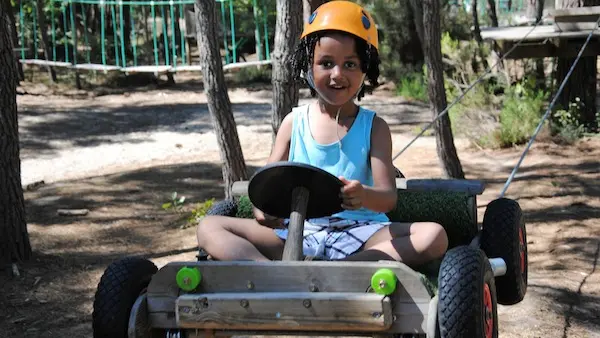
column 563, row 38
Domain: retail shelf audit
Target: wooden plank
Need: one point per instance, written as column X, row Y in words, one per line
column 473, row 187
column 98, row 67
column 187, row 68
column 525, row 33
column 558, row 13
column 410, row 301
column 240, row 65
column 561, row 48
column 147, row 69
column 325, row 311
column 45, row 63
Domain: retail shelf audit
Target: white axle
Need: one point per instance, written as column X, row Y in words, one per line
column 498, row 266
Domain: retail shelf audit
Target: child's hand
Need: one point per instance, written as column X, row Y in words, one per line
column 267, row 220
column 352, row 194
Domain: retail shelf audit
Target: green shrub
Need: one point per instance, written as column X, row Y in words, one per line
column 413, row 86
column 521, row 113
column 199, row 211
column 566, row 125
column 248, row 75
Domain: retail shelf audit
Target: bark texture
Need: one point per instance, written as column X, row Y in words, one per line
column 219, row 105
column 582, row 83
column 437, row 94
column 15, row 38
column 44, row 37
column 285, row 88
column 14, row 238
column 491, row 10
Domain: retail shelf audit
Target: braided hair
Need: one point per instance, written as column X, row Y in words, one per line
column 304, row 53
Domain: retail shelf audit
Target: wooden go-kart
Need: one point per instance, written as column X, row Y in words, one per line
column 456, row 296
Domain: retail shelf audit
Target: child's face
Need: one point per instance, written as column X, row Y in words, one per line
column 336, row 69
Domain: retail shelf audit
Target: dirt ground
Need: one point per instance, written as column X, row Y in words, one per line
column 121, row 154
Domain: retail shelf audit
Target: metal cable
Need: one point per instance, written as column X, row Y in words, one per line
column 545, row 116
column 445, row 111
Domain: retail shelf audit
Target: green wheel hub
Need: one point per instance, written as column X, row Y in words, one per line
column 188, row 278
column 384, row 281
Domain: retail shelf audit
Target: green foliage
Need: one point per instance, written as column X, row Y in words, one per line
column 521, row 113
column 566, row 123
column 400, row 48
column 174, row 203
column 474, row 114
column 249, row 75
column 245, row 209
column 413, row 86
column 199, row 211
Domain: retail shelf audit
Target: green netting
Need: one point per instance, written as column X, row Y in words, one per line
column 131, row 35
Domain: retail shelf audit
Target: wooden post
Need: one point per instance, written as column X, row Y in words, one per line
column 293, row 245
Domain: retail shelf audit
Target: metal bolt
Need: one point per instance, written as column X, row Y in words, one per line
column 382, row 283
column 202, row 303
column 244, row 303
column 249, row 285
column 306, row 303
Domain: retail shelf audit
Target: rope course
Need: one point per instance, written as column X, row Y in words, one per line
column 130, row 36
column 471, row 86
column 544, row 117
column 547, row 113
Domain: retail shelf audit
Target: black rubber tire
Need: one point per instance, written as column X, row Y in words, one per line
column 461, row 310
column 502, row 222
column 119, row 287
column 226, row 207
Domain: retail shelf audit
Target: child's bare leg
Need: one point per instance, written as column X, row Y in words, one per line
column 410, row 243
column 229, row 238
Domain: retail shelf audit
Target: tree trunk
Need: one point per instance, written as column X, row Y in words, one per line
column 491, row 9
column 478, row 39
column 534, row 13
column 219, row 106
column 310, row 6
column 39, row 5
column 437, row 93
column 582, row 83
column 14, row 239
column 15, row 38
column 285, row 88
column 535, row 9
column 260, row 53
column 417, row 8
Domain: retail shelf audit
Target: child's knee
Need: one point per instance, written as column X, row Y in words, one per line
column 435, row 238
column 208, row 225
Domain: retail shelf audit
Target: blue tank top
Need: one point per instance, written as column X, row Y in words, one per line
column 351, row 161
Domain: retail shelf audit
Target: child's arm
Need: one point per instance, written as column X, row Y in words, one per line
column 279, row 152
column 382, row 196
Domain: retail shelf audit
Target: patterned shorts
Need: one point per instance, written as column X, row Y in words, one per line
column 334, row 238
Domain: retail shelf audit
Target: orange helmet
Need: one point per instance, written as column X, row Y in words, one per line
column 343, row 16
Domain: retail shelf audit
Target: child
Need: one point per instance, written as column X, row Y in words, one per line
column 337, row 52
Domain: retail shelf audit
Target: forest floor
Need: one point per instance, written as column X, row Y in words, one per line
column 121, row 154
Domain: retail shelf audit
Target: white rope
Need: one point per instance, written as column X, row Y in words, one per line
column 539, row 127
column 445, row 111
